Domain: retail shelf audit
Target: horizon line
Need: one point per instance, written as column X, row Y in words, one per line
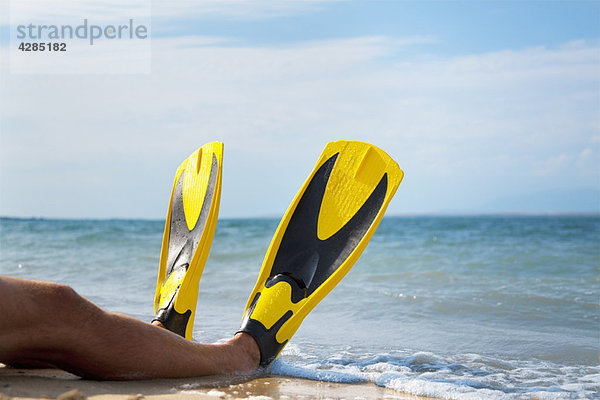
column 274, row 217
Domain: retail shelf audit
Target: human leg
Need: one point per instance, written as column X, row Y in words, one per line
column 50, row 323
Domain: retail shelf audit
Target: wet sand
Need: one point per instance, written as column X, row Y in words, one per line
column 57, row 384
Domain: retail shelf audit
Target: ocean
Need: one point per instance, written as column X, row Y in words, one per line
column 465, row 307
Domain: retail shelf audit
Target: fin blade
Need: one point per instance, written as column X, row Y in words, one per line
column 189, row 230
column 323, row 233
column 357, row 171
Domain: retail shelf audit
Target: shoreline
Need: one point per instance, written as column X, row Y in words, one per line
column 19, row 383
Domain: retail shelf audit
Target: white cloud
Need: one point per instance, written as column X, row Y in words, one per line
column 585, row 155
column 462, row 127
column 551, row 165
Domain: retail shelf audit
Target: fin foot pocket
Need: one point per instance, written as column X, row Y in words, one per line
column 172, row 320
column 266, row 336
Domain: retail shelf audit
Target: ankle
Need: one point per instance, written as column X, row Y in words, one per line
column 158, row 323
column 249, row 349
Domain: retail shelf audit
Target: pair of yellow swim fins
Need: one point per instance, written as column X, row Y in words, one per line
column 322, row 234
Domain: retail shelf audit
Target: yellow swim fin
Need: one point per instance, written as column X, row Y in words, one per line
column 189, row 230
column 322, row 234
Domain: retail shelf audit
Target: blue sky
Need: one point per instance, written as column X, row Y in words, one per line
column 460, row 27
column 489, row 107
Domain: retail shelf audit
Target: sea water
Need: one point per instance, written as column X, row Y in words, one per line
column 490, row 307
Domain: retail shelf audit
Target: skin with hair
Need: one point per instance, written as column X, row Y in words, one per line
column 44, row 323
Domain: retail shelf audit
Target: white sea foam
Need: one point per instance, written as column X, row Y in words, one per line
column 311, row 371
column 467, row 377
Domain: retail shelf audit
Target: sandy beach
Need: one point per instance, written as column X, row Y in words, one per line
column 56, row 384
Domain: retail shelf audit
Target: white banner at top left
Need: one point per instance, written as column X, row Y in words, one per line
column 80, row 37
